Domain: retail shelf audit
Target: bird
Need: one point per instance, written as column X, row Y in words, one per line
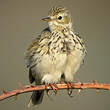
column 58, row 51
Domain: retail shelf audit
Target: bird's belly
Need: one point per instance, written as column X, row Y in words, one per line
column 73, row 62
column 52, row 63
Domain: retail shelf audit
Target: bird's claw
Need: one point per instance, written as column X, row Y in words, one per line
column 70, row 87
column 54, row 87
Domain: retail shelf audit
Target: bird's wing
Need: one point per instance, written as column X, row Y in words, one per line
column 38, row 47
column 80, row 40
column 82, row 45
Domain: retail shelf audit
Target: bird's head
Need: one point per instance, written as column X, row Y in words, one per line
column 59, row 19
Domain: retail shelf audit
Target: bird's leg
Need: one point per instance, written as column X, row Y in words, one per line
column 69, row 85
column 47, row 90
column 60, row 82
column 54, row 87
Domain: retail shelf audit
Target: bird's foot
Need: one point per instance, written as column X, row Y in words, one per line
column 54, row 87
column 70, row 87
column 47, row 89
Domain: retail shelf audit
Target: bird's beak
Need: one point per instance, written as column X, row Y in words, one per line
column 48, row 19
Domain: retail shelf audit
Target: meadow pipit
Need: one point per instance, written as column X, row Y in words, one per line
column 55, row 52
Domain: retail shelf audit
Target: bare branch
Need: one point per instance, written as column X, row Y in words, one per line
column 31, row 88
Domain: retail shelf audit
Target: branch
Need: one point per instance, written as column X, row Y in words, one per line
column 31, row 88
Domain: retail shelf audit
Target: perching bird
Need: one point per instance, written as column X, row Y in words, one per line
column 55, row 52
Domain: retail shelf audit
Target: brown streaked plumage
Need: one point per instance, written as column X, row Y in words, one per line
column 55, row 52
column 56, row 10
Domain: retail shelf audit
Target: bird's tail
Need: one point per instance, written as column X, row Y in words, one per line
column 36, row 98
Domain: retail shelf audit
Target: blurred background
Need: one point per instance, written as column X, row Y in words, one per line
column 20, row 23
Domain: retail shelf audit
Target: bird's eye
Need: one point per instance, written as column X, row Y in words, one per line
column 60, row 17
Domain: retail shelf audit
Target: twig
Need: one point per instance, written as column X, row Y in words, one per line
column 31, row 88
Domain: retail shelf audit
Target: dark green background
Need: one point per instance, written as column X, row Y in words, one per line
column 20, row 22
